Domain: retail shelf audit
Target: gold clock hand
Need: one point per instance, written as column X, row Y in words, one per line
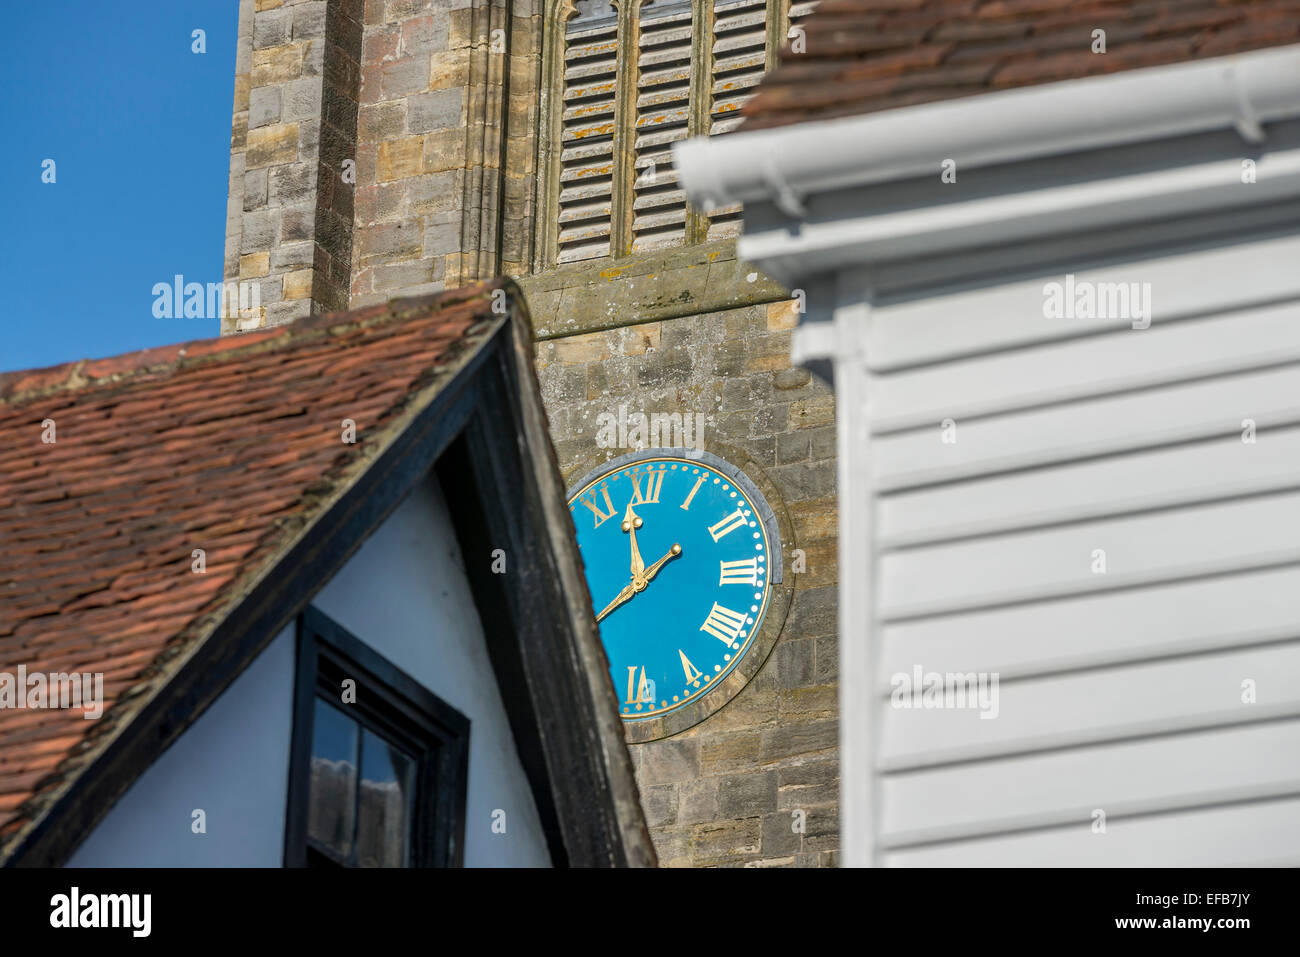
column 631, row 522
column 654, row 569
column 622, row 596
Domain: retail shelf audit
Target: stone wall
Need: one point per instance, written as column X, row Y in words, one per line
column 289, row 219
column 725, row 791
column 440, row 106
column 434, row 105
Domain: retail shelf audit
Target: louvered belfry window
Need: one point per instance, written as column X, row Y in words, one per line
column 587, row 141
column 663, row 116
column 637, row 76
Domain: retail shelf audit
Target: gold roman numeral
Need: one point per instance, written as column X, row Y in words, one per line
column 686, row 505
column 592, row 504
column 643, row 695
column 654, row 481
column 743, row 572
column 728, row 524
column 692, row 672
column 723, row 623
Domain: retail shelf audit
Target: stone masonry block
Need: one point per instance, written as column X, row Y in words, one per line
column 271, row 28
column 669, row 761
column 400, row 276
column 426, row 33
column 292, row 184
column 277, row 64
column 434, row 192
column 301, row 99
column 255, row 189
column 730, row 753
column 297, row 284
column 404, row 76
column 291, row 255
column 272, row 145
column 744, row 795
column 443, row 150
column 782, row 316
column 309, row 20
column 442, row 233
column 298, row 224
column 400, row 159
column 263, row 106
column 380, row 122
column 254, row 265
column 390, row 241
column 261, row 231
column 449, row 70
column 440, row 109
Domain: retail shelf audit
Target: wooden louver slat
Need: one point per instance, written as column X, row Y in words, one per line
column 587, row 142
column 662, row 118
column 668, row 105
column 739, row 60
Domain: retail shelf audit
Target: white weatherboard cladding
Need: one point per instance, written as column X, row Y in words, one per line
column 1098, row 534
column 1121, row 690
column 995, row 318
column 1264, row 833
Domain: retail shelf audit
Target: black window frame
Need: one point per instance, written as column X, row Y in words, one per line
column 397, row 707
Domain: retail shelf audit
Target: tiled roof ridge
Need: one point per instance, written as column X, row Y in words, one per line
column 27, row 384
column 864, row 56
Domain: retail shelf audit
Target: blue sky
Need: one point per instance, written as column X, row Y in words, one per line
column 139, row 128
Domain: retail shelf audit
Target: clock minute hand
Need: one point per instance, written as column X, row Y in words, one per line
column 621, row 597
column 638, row 584
column 654, row 569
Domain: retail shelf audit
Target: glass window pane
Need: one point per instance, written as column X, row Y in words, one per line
column 331, row 810
column 384, row 818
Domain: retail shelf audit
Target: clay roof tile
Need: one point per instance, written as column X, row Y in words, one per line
column 224, row 445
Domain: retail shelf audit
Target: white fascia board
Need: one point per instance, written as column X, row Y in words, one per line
column 784, row 164
column 861, row 237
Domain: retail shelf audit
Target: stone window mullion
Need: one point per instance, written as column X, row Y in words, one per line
column 697, row 223
column 625, row 125
column 778, row 20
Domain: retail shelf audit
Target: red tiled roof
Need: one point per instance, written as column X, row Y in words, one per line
column 227, row 445
column 869, row 55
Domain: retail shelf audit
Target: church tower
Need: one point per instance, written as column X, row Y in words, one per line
column 384, row 148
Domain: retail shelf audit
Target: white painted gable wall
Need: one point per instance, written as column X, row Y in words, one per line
column 405, row 594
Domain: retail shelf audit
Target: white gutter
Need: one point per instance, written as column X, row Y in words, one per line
column 785, row 164
column 858, row 237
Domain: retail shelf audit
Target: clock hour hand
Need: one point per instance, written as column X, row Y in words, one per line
column 631, row 522
column 622, row 596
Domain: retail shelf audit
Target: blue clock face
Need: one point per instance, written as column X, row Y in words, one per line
column 677, row 559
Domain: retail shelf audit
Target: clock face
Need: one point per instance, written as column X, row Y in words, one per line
column 677, row 552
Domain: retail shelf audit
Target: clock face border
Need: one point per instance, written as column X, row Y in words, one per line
column 779, row 591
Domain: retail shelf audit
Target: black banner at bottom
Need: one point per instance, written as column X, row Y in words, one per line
column 874, row 906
